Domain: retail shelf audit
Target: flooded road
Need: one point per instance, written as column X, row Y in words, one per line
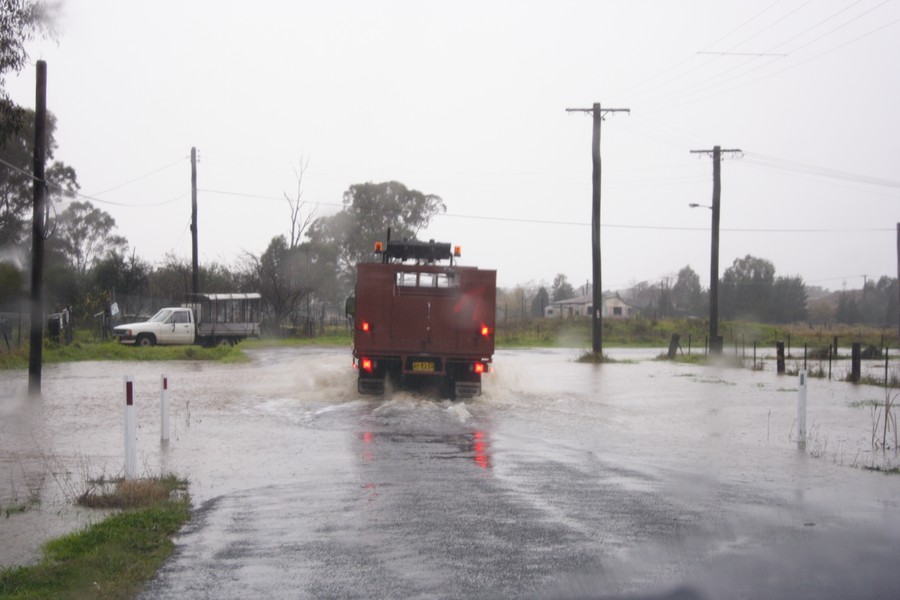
column 563, row 480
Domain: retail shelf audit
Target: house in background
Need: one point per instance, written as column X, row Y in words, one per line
column 613, row 307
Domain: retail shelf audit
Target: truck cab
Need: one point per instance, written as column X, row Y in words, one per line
column 168, row 326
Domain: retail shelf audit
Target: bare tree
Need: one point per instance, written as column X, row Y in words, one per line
column 299, row 222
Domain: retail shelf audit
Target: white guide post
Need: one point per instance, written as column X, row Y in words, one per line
column 801, row 411
column 130, row 430
column 164, row 408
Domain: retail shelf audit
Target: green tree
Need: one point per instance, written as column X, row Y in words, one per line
column 687, row 294
column 745, row 291
column 11, row 281
column 878, row 302
column 16, row 183
column 370, row 209
column 789, row 301
column 84, row 234
column 171, row 281
column 124, row 274
column 561, row 289
column 539, row 302
column 20, row 22
column 275, row 274
column 848, row 311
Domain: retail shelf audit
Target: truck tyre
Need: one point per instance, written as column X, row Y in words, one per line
column 145, row 339
column 225, row 342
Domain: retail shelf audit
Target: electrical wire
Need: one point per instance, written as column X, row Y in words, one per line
column 694, row 56
column 690, row 100
column 136, row 179
column 60, row 188
column 773, row 162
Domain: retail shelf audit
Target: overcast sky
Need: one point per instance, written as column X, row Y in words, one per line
column 467, row 100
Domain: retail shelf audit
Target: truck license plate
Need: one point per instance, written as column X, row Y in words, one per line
column 425, row 366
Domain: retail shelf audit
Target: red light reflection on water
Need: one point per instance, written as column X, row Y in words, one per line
column 367, row 438
column 480, row 448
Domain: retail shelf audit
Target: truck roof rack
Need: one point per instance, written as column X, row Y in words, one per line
column 429, row 251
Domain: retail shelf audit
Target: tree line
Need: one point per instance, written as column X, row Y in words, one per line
column 749, row 290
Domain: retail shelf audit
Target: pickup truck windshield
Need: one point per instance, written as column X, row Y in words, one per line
column 160, row 317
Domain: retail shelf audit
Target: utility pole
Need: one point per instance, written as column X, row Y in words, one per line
column 195, row 264
column 597, row 271
column 898, row 281
column 35, row 357
column 715, row 342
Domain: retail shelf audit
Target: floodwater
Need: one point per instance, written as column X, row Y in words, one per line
column 562, row 480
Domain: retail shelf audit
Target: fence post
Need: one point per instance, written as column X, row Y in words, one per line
column 673, row 346
column 855, row 362
column 779, row 357
column 130, row 430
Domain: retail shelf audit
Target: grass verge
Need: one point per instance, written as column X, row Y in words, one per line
column 84, row 351
column 113, row 558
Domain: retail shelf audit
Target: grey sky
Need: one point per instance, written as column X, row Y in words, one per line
column 467, row 100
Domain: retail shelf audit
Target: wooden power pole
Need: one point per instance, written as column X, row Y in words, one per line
column 195, row 261
column 597, row 271
column 715, row 342
column 35, row 357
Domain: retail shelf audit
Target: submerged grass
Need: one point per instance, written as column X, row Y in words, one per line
column 113, row 558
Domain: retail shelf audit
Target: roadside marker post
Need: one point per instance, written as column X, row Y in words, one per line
column 164, row 408
column 130, row 430
column 801, row 411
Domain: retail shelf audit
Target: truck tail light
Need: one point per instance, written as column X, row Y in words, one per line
column 366, row 365
column 485, row 331
column 479, row 367
column 365, row 326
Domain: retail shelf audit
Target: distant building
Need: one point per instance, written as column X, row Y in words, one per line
column 582, row 306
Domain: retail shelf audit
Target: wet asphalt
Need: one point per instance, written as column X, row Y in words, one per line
column 638, row 479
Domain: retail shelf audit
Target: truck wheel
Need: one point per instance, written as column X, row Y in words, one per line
column 146, row 340
column 225, row 342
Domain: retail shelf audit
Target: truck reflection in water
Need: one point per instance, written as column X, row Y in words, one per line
column 472, row 446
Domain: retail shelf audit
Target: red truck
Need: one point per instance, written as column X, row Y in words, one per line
column 416, row 319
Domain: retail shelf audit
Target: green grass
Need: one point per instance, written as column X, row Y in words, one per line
column 110, row 559
column 885, row 470
column 655, row 333
column 84, row 351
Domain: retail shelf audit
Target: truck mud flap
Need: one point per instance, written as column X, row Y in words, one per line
column 466, row 389
column 370, row 385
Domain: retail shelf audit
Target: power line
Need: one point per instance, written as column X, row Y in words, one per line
column 688, row 99
column 145, row 176
column 60, row 188
column 794, row 166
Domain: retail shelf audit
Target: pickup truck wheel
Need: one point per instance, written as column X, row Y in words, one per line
column 145, row 340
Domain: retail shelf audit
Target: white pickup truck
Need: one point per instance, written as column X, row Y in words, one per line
column 208, row 320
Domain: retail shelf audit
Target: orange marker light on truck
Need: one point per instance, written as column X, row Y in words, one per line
column 378, row 248
column 457, row 251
